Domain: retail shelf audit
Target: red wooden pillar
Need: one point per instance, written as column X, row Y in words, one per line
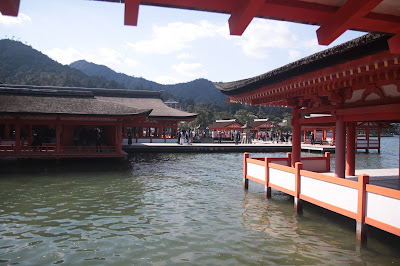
column 361, row 226
column 298, row 205
column 379, row 139
column 17, row 138
column 367, row 137
column 58, row 138
column 351, row 149
column 296, row 138
column 30, row 136
column 333, row 137
column 118, row 138
column 305, row 135
column 340, row 147
column 245, row 180
column 267, row 191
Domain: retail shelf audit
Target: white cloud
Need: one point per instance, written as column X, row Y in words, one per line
column 185, row 56
column 166, row 80
column 176, row 37
column 131, row 62
column 65, row 56
column 194, row 70
column 10, row 21
column 263, row 37
column 312, row 45
column 294, row 54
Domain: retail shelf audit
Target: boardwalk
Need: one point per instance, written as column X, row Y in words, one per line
column 224, row 147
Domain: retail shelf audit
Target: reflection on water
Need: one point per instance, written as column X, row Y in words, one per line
column 168, row 209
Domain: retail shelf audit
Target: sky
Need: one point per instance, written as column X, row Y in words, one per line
column 168, row 46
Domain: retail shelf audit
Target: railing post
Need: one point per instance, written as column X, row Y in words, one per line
column 361, row 227
column 328, row 161
column 267, row 187
column 289, row 157
column 245, row 180
column 298, row 205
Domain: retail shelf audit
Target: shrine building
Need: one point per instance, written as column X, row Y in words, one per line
column 356, row 82
column 63, row 122
column 227, row 127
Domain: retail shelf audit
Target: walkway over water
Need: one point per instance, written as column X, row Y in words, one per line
column 224, row 147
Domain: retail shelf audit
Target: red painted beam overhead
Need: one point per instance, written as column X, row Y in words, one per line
column 394, row 44
column 351, row 11
column 243, row 14
column 292, row 10
column 131, row 12
column 9, row 7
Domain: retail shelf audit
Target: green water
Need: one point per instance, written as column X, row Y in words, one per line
column 168, row 209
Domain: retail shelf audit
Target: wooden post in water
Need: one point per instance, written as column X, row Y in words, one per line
column 298, row 205
column 267, row 187
column 361, row 227
column 245, row 180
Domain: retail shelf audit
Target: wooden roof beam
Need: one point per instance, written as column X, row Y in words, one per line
column 351, row 11
column 131, row 12
column 394, row 44
column 243, row 14
column 9, row 7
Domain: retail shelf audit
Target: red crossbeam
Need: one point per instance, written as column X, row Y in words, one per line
column 131, row 12
column 394, row 44
column 243, row 14
column 343, row 19
column 9, row 7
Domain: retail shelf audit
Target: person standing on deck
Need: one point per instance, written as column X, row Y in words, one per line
column 213, row 135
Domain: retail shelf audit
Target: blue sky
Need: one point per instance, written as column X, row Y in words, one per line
column 168, row 45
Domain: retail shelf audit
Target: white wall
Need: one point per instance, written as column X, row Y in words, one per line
column 256, row 171
column 282, row 179
column 383, row 209
column 333, row 194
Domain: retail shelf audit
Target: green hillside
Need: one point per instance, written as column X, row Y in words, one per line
column 21, row 64
column 200, row 90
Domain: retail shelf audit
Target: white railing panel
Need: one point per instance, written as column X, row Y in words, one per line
column 282, row 178
column 383, row 209
column 256, row 171
column 172, row 140
column 330, row 193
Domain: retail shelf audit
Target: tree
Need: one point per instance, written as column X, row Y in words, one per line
column 242, row 116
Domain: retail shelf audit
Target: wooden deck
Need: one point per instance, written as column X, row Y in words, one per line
column 388, row 178
column 224, row 147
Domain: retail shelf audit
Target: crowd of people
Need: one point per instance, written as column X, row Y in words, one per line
column 185, row 137
column 274, row 137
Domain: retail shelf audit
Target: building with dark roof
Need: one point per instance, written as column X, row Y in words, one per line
column 61, row 122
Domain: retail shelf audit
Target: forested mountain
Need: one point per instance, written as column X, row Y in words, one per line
column 21, row 64
column 92, row 69
column 200, row 90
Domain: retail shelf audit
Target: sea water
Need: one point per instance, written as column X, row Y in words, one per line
column 170, row 209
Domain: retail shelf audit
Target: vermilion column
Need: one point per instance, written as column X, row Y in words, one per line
column 351, row 149
column 58, row 138
column 296, row 137
column 17, row 138
column 340, row 147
